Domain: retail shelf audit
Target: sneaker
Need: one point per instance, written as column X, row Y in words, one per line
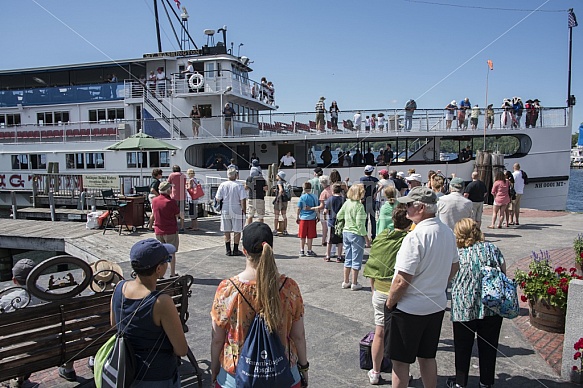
column 450, row 383
column 69, row 376
column 91, row 362
column 16, row 382
column 311, row 254
column 285, row 233
column 237, row 253
column 275, row 232
column 340, row 259
column 345, row 285
column 356, row 287
column 228, row 253
column 374, row 377
column 302, row 254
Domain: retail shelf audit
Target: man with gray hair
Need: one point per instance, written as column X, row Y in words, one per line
column 425, row 263
column 233, row 197
column 454, row 206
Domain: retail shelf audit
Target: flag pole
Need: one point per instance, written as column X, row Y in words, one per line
column 570, row 54
column 490, row 66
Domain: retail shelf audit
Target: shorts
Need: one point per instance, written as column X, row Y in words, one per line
column 232, row 222
column 307, row 229
column 320, row 119
column 412, row 336
column 169, row 239
column 378, row 303
column 477, row 210
column 474, row 121
column 182, row 206
column 256, row 206
column 280, row 206
column 227, row 124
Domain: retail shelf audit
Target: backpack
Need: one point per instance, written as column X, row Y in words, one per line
column 262, row 361
column 115, row 365
column 287, row 192
column 524, row 177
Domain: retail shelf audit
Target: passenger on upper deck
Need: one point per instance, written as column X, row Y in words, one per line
column 161, row 82
column 320, row 111
column 409, row 110
column 334, row 110
column 450, row 113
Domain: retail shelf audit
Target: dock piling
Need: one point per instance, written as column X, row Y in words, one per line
column 52, row 206
column 14, row 207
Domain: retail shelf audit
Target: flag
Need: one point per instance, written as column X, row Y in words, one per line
column 177, row 3
column 572, row 19
column 490, row 64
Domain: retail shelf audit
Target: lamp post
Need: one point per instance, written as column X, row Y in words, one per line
column 239, row 50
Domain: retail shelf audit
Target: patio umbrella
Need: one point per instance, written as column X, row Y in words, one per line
column 141, row 142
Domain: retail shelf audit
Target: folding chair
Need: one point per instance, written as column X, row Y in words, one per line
column 115, row 208
column 145, row 191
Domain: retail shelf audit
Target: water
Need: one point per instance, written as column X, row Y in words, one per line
column 574, row 198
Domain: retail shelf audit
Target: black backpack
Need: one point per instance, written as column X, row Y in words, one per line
column 262, row 361
column 524, row 177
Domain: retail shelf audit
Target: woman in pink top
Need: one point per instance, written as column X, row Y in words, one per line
column 501, row 198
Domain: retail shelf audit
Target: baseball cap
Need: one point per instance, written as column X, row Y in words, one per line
column 401, row 174
column 384, row 173
column 419, row 193
column 21, row 269
column 255, row 162
column 457, row 182
column 164, row 186
column 149, row 253
column 319, row 171
column 369, row 168
column 255, row 235
column 232, row 171
column 281, row 174
column 414, row 177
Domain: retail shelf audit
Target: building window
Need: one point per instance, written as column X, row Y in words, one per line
column 50, row 118
column 110, row 114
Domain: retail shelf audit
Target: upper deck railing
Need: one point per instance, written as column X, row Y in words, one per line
column 428, row 121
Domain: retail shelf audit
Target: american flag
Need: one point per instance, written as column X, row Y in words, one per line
column 572, row 19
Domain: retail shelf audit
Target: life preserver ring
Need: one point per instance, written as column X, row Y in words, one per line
column 196, row 81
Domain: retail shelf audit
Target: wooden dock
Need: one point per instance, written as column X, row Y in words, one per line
column 92, row 244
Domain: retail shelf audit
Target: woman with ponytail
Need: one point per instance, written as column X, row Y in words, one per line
column 276, row 297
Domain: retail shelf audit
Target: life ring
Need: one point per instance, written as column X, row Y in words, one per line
column 196, row 81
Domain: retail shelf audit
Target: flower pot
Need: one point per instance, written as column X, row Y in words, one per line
column 546, row 317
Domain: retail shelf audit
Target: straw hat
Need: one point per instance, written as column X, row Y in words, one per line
column 105, row 275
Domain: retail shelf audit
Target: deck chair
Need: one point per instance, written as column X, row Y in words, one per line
column 115, row 208
column 145, row 191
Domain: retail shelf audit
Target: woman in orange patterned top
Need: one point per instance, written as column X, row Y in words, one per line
column 282, row 308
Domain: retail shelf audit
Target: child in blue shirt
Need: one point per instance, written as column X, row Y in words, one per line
column 307, row 218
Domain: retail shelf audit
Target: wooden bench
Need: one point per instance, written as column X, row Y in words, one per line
column 47, row 335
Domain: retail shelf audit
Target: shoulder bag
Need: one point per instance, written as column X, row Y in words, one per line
column 498, row 292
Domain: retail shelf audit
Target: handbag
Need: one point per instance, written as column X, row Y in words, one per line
column 366, row 354
column 499, row 293
column 195, row 192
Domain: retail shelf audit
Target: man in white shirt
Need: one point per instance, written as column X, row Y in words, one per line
column 287, row 161
column 426, row 261
column 161, row 81
column 357, row 121
column 234, row 199
column 519, row 188
column 454, row 206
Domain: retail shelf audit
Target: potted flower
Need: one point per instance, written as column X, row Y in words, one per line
column 577, row 370
column 546, row 291
column 578, row 248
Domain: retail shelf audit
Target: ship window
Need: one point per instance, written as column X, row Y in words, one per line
column 205, row 110
column 20, row 162
column 134, row 159
column 94, row 160
column 159, row 159
column 210, row 70
column 38, row 161
column 13, row 119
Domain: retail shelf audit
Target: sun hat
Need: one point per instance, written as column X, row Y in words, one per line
column 414, row 177
column 105, row 274
column 232, row 171
column 21, row 269
column 322, row 98
column 453, row 102
column 281, row 174
column 255, row 235
column 421, row 194
column 369, row 169
column 149, row 253
column 164, row 186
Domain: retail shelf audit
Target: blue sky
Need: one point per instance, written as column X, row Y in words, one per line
column 371, row 54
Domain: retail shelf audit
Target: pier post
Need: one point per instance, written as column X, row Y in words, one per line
column 14, row 207
column 82, row 201
column 34, row 190
column 52, row 206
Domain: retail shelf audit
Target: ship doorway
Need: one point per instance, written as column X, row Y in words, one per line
column 242, row 156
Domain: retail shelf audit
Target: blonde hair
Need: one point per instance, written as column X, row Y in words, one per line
column 190, row 171
column 391, row 194
column 467, row 233
column 355, row 192
column 268, row 287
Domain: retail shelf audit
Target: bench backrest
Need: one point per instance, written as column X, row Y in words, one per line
column 47, row 335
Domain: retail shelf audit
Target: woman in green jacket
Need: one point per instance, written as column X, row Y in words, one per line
column 354, row 235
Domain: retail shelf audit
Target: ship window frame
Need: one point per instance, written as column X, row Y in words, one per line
column 133, row 161
column 28, row 161
column 81, row 160
column 159, row 159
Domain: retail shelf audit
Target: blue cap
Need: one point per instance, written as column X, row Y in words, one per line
column 149, row 253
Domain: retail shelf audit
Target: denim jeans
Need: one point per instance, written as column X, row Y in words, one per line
column 354, row 250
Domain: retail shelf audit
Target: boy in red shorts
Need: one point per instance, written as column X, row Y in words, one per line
column 307, row 218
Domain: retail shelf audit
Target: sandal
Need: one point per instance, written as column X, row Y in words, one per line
column 491, row 227
column 327, row 259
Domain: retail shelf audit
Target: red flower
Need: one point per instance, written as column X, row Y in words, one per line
column 564, row 280
column 573, row 269
column 552, row 291
column 577, row 355
column 546, row 283
column 523, row 298
column 565, row 288
column 530, row 273
column 581, row 254
column 575, row 369
column 559, row 269
column 523, row 284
